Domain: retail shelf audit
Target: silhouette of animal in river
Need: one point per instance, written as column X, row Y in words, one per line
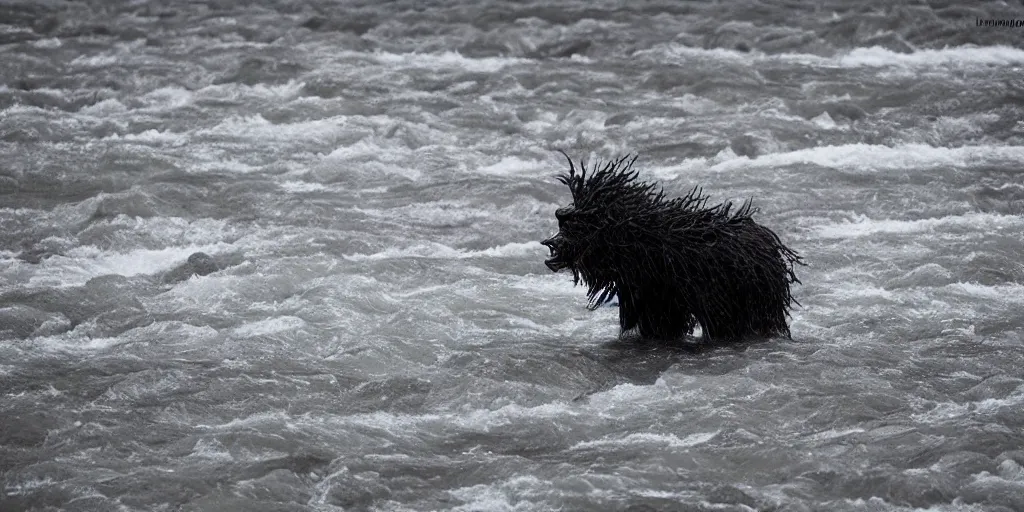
column 673, row 263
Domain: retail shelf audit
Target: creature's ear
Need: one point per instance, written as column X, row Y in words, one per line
column 569, row 177
column 575, row 181
column 572, row 168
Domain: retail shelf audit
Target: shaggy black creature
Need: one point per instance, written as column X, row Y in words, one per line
column 673, row 263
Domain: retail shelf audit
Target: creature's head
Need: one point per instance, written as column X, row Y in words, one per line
column 608, row 203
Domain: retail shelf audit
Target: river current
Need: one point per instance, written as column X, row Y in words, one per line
column 283, row 256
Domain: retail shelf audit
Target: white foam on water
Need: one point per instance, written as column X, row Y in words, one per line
column 507, row 496
column 436, row 213
column 32, row 110
column 26, row 486
column 529, row 325
column 76, row 342
column 1001, row 293
column 824, row 121
column 236, row 91
column 832, row 433
column 31, row 113
column 877, row 56
column 435, row 250
column 211, row 449
column 177, row 230
column 222, row 164
column 258, row 421
column 361, row 150
column 947, row 128
column 167, row 98
column 1011, row 470
column 48, row 43
column 258, row 128
column 438, row 289
column 95, row 61
column 153, row 136
column 515, row 166
column 632, row 395
column 569, row 127
column 544, row 122
column 946, row 411
column 104, row 108
column 368, row 157
column 877, row 158
column 860, row 158
column 852, row 290
column 301, row 186
column 462, row 215
column 862, row 226
column 180, row 330
column 269, row 326
column 484, row 420
column 676, row 51
column 543, row 284
column 873, row 57
column 645, row 438
column 481, row 420
column 86, row 262
column 446, row 60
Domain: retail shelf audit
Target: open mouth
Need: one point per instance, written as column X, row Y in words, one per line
column 555, row 262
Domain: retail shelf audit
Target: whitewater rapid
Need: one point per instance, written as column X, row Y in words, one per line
column 366, row 322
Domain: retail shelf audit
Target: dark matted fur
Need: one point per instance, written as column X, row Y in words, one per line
column 673, row 263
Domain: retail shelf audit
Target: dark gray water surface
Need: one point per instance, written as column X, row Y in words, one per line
column 371, row 326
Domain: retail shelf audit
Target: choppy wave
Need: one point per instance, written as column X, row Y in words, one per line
column 283, row 255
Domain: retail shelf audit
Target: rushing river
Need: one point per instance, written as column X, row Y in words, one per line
column 284, row 256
